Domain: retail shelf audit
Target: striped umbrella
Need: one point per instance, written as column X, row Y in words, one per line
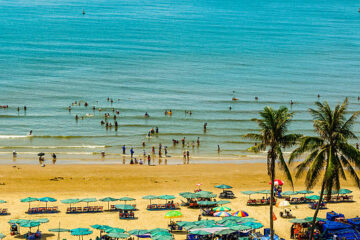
column 222, row 209
column 222, row 214
column 240, row 214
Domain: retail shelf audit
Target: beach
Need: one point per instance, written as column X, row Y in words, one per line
column 99, row 181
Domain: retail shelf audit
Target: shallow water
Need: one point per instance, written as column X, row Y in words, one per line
column 183, row 55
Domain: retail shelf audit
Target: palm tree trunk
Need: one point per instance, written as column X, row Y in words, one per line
column 317, row 211
column 272, row 173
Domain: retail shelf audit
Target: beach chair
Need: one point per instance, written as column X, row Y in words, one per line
column 4, row 211
column 78, row 210
column 68, row 210
column 101, row 208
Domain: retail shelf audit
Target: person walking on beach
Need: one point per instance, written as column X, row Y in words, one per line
column 14, row 154
column 183, row 142
column 153, row 150
column 149, row 159
column 198, row 141
column 218, row 148
column 132, row 152
column 166, row 152
column 188, row 156
column 205, row 127
column 184, row 155
column 54, row 158
column 157, row 130
column 123, row 149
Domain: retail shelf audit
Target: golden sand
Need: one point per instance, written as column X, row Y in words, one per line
column 80, row 181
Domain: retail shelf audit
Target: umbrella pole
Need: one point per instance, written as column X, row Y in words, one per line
column 108, row 206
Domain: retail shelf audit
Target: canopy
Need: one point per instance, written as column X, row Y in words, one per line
column 253, row 225
column 156, row 230
column 108, row 199
column 41, row 220
column 118, row 235
column 222, row 209
column 114, row 230
column 124, row 207
column 125, row 199
column 47, row 199
column 248, row 192
column 173, row 214
column 205, row 194
column 223, row 186
column 189, row 195
column 222, row 202
column 57, row 230
column 344, row 191
column 166, row 197
column 264, row 192
column 240, row 228
column 240, row 214
column 70, row 201
column 29, row 199
column 138, row 232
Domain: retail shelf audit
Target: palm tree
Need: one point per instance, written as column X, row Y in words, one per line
column 329, row 152
column 273, row 137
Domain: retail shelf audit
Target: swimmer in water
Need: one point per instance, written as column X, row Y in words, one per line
column 30, row 133
column 146, row 115
column 256, row 98
column 230, row 108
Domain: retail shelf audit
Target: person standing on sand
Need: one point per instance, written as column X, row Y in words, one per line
column 184, row 154
column 188, row 155
column 205, row 127
column 54, row 158
column 153, row 150
column 123, row 149
column 218, row 149
column 183, row 142
column 14, row 154
column 132, row 152
column 166, row 152
column 149, row 159
column 198, row 141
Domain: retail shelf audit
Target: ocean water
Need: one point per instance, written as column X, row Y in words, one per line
column 150, row 56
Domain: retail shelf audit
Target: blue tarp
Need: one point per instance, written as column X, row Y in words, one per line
column 333, row 226
column 331, row 216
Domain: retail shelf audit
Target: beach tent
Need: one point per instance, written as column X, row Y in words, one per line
column 108, row 200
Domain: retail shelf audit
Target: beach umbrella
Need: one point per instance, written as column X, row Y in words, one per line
column 59, row 230
column 289, row 193
column 253, row 225
column 80, row 232
column 29, row 200
column 88, row 200
column 206, row 203
column 2, row 201
column 47, row 199
column 100, row 227
column 137, row 232
column 222, row 202
column 283, row 204
column 42, row 220
column 240, row 228
column 150, row 197
column 344, row 191
column 304, row 192
column 205, row 194
column 223, row 186
column 126, row 199
column 162, row 237
column 114, row 230
column 185, row 193
column 248, row 193
column 118, row 235
column 240, row 214
column 277, row 182
column 41, row 154
column 108, row 200
column 166, row 197
column 313, row 197
column 2, row 236
column 309, row 219
column 173, row 214
column 200, row 232
column 222, row 209
column 155, row 230
column 70, row 201
column 160, row 233
column 30, row 224
column 124, row 207
column 225, row 232
column 298, row 220
column 222, row 214
column 247, row 219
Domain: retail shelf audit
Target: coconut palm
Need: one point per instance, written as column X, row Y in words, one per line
column 273, row 138
column 329, row 153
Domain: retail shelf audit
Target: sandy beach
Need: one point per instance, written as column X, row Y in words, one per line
column 80, row 181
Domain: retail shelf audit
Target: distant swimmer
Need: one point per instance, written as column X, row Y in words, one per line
column 30, row 133
column 156, row 130
column 18, row 109
column 76, row 117
column 198, row 141
column 14, row 154
column 54, row 158
column 123, row 149
column 102, row 122
column 83, row 11
column 318, row 96
column 69, row 108
column 230, row 108
column 205, row 126
column 86, row 104
column 25, row 108
column 218, row 148
column 291, row 102
column 256, row 98
column 146, row 115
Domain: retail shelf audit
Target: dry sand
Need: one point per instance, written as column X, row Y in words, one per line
column 80, row 181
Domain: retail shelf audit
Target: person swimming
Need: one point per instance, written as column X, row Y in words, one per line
column 30, row 133
column 146, row 115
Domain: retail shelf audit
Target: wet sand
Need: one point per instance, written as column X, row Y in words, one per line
column 80, row 181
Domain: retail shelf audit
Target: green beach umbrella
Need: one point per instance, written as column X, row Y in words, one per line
column 184, row 223
column 188, row 195
column 70, row 201
column 150, row 197
column 173, row 214
column 264, row 191
column 247, row 219
column 313, row 197
column 29, row 200
column 88, row 200
column 162, row 237
column 166, row 197
column 253, row 225
column 305, row 192
column 100, row 227
column 248, row 193
column 289, row 193
column 309, row 219
column 47, row 199
column 222, row 202
column 155, row 230
column 2, row 201
column 225, row 232
column 161, row 233
column 138, row 232
column 200, row 232
column 126, row 199
column 205, row 194
column 118, row 235
column 42, row 220
column 124, row 207
column 206, row 203
column 80, row 232
column 344, row 191
column 298, row 220
column 114, row 230
column 30, row 224
column 59, row 230
column 240, row 228
column 223, row 186
column 108, row 200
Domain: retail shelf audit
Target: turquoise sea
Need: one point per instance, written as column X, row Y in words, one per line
column 150, row 56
